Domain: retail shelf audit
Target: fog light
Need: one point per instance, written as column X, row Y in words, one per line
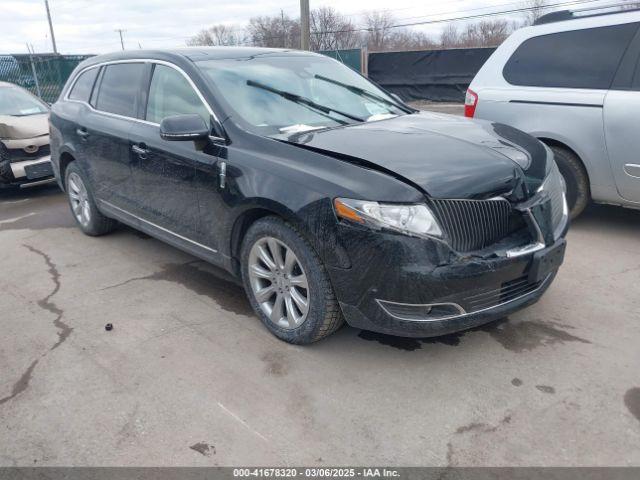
column 421, row 313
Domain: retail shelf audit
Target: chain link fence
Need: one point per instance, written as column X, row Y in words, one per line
column 42, row 74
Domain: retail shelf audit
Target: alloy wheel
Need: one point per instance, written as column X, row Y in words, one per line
column 79, row 198
column 279, row 283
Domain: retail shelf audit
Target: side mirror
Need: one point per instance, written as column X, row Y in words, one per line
column 189, row 127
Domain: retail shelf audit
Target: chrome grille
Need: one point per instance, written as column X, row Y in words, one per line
column 19, row 155
column 473, row 224
column 509, row 291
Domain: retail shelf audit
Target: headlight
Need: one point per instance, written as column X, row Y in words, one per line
column 416, row 220
column 555, row 190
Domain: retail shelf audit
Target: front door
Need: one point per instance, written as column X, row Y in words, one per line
column 164, row 172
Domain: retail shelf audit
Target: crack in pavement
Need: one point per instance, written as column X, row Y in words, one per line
column 64, row 330
column 22, row 384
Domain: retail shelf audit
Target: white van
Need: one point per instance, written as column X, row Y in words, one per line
column 573, row 81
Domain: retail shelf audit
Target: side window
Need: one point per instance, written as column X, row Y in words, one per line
column 171, row 94
column 119, row 88
column 84, row 84
column 585, row 58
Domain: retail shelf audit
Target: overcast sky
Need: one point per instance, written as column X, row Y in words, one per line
column 87, row 26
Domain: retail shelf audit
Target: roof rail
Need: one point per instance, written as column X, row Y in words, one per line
column 562, row 15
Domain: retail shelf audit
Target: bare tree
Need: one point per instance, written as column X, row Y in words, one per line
column 486, row 33
column 536, row 10
column 331, row 30
column 631, row 5
column 450, row 36
column 278, row 31
column 379, row 29
column 405, row 39
column 218, row 35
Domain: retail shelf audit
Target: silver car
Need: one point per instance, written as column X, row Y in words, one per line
column 573, row 81
column 25, row 158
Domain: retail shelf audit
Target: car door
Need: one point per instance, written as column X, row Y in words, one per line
column 105, row 131
column 78, row 101
column 164, row 172
column 622, row 124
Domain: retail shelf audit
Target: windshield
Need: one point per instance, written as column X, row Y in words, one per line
column 285, row 94
column 17, row 102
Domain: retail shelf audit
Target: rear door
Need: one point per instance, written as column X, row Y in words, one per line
column 106, row 129
column 164, row 172
column 78, row 100
column 622, row 124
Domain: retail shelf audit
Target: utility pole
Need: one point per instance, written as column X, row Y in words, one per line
column 284, row 30
column 120, row 31
column 304, row 24
column 53, row 37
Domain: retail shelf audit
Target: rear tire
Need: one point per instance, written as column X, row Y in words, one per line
column 576, row 178
column 83, row 206
column 279, row 267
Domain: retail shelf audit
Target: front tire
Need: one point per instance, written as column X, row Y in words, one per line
column 287, row 284
column 83, row 206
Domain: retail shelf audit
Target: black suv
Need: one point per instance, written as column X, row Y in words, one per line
column 328, row 197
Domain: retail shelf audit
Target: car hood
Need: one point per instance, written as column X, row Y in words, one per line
column 443, row 155
column 29, row 126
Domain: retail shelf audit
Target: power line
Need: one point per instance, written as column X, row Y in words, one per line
column 430, row 20
column 467, row 17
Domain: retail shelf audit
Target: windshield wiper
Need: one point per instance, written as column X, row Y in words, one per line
column 364, row 93
column 306, row 102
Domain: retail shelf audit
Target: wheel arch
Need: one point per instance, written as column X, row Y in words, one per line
column 552, row 142
column 306, row 221
column 65, row 159
column 248, row 217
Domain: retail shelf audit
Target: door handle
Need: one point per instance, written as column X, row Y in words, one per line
column 140, row 150
column 82, row 132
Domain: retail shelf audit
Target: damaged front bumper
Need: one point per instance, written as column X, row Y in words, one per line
column 414, row 287
column 25, row 163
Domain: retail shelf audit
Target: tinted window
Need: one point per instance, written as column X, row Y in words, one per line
column 171, row 94
column 82, row 88
column 576, row 59
column 119, row 89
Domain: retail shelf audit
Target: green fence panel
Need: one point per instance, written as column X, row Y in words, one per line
column 43, row 75
column 351, row 57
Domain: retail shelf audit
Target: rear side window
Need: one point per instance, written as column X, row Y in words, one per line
column 84, row 84
column 119, row 89
column 576, row 59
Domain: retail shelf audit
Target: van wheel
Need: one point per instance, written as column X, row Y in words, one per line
column 83, row 206
column 575, row 176
column 287, row 284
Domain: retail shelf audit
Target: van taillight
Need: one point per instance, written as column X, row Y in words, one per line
column 470, row 103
